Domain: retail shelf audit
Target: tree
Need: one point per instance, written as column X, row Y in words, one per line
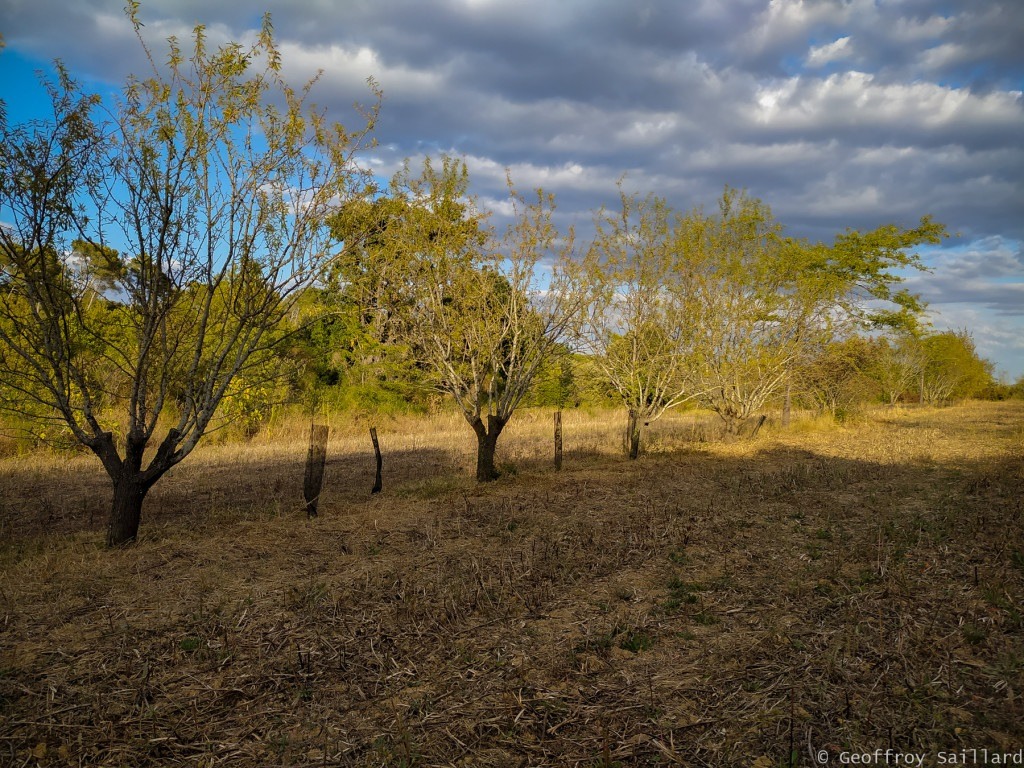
column 756, row 309
column 199, row 209
column 765, row 304
column 952, row 367
column 481, row 319
column 896, row 365
column 638, row 324
column 835, row 378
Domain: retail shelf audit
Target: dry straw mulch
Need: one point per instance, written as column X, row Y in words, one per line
column 852, row 588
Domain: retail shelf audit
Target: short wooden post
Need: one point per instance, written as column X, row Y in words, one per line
column 558, row 440
column 315, row 462
column 377, row 483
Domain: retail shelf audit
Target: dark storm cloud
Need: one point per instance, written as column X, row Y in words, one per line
column 838, row 113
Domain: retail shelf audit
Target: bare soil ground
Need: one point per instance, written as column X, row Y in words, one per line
column 752, row 603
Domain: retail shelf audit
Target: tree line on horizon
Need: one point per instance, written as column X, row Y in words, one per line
column 212, row 247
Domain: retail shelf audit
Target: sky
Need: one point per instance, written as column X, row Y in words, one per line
column 837, row 113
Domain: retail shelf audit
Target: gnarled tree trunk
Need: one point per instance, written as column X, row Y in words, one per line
column 487, row 442
column 131, row 482
column 126, row 511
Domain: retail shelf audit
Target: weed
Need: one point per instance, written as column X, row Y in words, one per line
column 635, row 641
column 681, row 593
column 1017, row 559
column 974, row 634
column 677, row 557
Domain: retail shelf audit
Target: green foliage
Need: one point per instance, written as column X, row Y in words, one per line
column 556, row 383
column 214, row 177
column 862, row 264
column 636, row 325
column 952, row 368
column 835, row 377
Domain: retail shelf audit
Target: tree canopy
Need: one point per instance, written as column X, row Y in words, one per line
column 153, row 254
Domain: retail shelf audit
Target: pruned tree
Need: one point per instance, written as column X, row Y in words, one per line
column 951, row 367
column 638, row 324
column 896, row 365
column 756, row 311
column 199, row 211
column 482, row 321
column 766, row 304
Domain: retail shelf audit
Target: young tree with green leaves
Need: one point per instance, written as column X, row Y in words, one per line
column 756, row 310
column 638, row 324
column 951, row 367
column 199, row 210
column 765, row 304
column 481, row 320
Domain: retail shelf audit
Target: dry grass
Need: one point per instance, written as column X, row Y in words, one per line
column 710, row 604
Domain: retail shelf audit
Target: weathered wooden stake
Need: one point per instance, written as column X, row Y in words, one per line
column 377, row 484
column 558, row 439
column 315, row 462
column 757, row 427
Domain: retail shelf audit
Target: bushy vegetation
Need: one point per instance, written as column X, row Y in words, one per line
column 212, row 250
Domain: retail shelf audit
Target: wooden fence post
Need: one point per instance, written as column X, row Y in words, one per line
column 558, row 440
column 315, row 462
column 377, row 483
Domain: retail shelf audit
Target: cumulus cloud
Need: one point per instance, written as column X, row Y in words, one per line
column 836, row 112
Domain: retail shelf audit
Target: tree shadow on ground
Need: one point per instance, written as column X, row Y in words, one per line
column 39, row 503
column 699, row 608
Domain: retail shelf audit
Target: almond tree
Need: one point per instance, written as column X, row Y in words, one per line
column 637, row 323
column 482, row 321
column 198, row 207
column 764, row 304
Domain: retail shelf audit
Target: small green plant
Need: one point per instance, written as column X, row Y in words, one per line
column 974, row 634
column 996, row 597
column 190, row 644
column 705, row 619
column 677, row 557
column 681, row 593
column 636, row 641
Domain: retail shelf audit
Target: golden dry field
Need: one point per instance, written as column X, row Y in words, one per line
column 816, row 590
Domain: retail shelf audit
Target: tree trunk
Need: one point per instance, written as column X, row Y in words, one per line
column 126, row 511
column 131, row 482
column 787, row 406
column 633, row 434
column 487, row 442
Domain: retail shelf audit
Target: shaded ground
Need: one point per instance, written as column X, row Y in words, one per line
column 721, row 605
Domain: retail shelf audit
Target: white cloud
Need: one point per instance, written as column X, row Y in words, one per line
column 821, row 55
column 861, row 99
